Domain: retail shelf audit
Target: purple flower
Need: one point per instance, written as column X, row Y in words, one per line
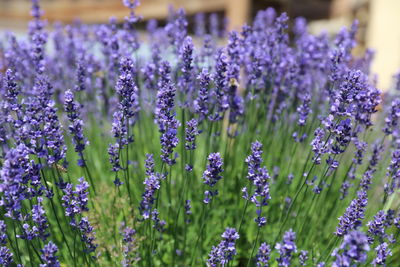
column 75, row 201
column 76, row 126
column 11, row 91
column 129, row 247
column 130, row 35
column 353, row 250
column 14, row 179
column 45, row 131
column 254, row 160
column 221, row 87
column 263, row 255
column 39, row 218
column 391, row 121
column 377, row 149
column 259, row 177
column 396, row 221
column 151, row 69
column 382, row 252
column 286, row 248
column 165, row 115
column 113, row 152
column 186, row 57
column 360, row 151
column 191, row 132
column 353, row 215
column 5, row 254
column 81, row 75
column 3, row 233
column 126, row 88
column 201, row 102
column 344, row 189
column 188, row 168
column 188, row 211
column 48, row 255
column 225, row 251
column 303, row 257
column 131, row 4
column 87, row 235
column 319, row 145
column 393, row 172
column 54, row 137
column 38, row 38
column 28, row 232
column 152, row 184
column 376, row 227
column 157, row 223
column 128, row 106
column 212, row 175
column 149, row 164
column 356, row 98
column 177, row 29
column 233, row 70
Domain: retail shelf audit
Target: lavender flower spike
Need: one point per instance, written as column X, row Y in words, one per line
column 382, row 252
column 376, row 227
column 152, row 184
column 212, row 175
column 191, row 132
column 5, row 254
column 286, row 248
column 224, row 252
column 201, row 103
column 353, row 250
column 351, row 219
column 165, row 115
column 39, row 217
column 75, row 201
column 391, row 121
column 254, row 160
column 263, row 255
column 76, row 126
column 130, row 246
column 259, row 176
column 303, row 257
column 49, row 258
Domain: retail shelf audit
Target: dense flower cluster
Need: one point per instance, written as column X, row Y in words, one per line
column 286, row 248
column 76, row 126
column 172, row 121
column 212, row 175
column 351, row 219
column 49, row 258
column 263, row 255
column 353, row 249
column 224, row 252
column 259, row 178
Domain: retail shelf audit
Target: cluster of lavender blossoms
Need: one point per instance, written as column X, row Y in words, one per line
column 259, row 178
column 212, row 175
column 173, row 120
column 224, row 252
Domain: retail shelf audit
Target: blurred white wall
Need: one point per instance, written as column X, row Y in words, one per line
column 384, row 37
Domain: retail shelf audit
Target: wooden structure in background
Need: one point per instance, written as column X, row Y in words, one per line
column 237, row 11
column 384, row 37
column 95, row 11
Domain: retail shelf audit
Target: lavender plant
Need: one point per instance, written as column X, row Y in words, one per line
column 269, row 133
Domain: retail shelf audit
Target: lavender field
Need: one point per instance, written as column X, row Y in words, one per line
column 268, row 146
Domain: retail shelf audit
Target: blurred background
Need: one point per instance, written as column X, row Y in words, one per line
column 379, row 19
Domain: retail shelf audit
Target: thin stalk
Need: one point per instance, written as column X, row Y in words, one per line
column 254, row 247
